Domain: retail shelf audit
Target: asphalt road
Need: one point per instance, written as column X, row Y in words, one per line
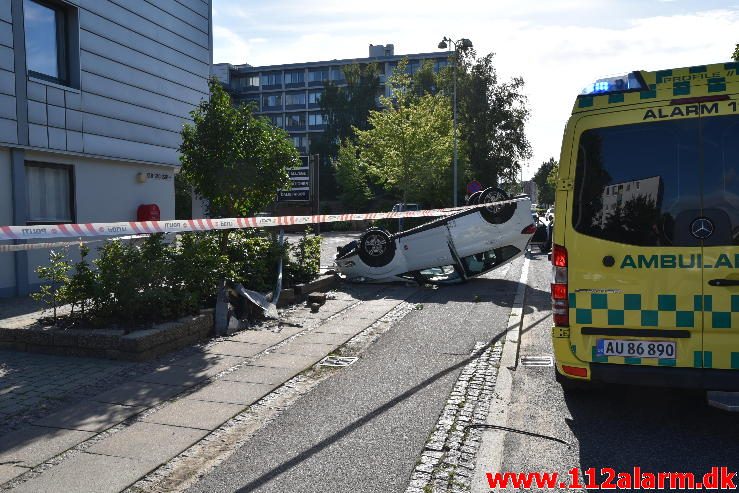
column 363, row 429
column 618, row 427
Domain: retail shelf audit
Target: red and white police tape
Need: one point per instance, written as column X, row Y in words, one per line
column 86, row 230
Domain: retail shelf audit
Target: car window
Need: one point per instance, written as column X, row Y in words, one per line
column 482, row 262
column 444, row 273
column 633, row 183
column 720, row 138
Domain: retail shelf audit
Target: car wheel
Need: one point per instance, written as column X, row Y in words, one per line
column 376, row 248
column 474, row 198
column 492, row 212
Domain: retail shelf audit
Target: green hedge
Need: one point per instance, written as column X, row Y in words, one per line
column 134, row 284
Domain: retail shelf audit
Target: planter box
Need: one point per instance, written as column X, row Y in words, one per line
column 139, row 345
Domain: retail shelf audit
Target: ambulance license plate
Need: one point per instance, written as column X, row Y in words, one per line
column 636, row 349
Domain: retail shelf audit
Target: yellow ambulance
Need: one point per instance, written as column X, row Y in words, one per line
column 645, row 260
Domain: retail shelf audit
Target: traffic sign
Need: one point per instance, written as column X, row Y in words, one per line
column 473, row 186
column 300, row 179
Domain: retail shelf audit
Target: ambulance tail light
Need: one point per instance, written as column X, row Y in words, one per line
column 575, row 371
column 560, row 292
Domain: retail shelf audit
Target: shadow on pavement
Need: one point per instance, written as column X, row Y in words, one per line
column 658, row 430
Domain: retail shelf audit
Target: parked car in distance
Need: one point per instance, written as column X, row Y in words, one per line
column 449, row 249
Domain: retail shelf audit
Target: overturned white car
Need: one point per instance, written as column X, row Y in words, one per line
column 449, row 249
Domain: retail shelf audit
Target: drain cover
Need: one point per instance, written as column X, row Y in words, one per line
column 537, row 361
column 338, row 360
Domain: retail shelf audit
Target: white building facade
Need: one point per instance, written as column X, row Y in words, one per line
column 93, row 96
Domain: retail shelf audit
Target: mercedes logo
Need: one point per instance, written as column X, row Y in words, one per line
column 701, row 228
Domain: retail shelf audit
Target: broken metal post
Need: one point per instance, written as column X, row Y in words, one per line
column 278, row 285
column 221, row 312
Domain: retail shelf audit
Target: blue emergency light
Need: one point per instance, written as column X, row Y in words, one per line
column 620, row 83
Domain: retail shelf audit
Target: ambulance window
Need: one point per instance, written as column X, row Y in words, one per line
column 720, row 137
column 663, row 158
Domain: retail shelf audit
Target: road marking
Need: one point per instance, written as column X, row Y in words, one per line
column 490, row 455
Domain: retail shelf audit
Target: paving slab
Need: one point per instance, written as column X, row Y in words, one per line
column 138, row 394
column 333, row 307
column 208, row 362
column 324, row 338
column 232, row 392
column 306, row 348
column 195, row 414
column 32, row 445
column 89, row 416
column 188, row 373
column 265, row 336
column 283, row 360
column 234, row 348
column 8, row 472
column 149, row 442
column 351, row 326
column 262, row 374
column 87, row 473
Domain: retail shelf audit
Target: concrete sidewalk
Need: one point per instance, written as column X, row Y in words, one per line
column 531, row 309
column 108, row 441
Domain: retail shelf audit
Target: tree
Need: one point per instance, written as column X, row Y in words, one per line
column 407, row 148
column 232, row 159
column 351, row 176
column 735, row 56
column 541, row 178
column 492, row 117
column 344, row 109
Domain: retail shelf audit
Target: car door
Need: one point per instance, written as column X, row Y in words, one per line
column 718, row 227
column 633, row 268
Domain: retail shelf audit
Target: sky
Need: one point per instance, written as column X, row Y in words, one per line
column 557, row 46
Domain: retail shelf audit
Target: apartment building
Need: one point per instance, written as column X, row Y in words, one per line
column 290, row 94
column 93, row 95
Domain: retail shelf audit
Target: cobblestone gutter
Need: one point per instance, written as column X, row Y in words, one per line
column 448, row 458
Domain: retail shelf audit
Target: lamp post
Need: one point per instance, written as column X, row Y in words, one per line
column 460, row 43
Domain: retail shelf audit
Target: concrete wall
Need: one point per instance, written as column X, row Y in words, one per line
column 137, row 70
column 140, row 68
column 105, row 189
column 7, row 273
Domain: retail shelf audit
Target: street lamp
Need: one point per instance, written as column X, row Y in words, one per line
column 462, row 43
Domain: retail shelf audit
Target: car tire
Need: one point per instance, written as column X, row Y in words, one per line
column 492, row 213
column 474, row 198
column 376, row 248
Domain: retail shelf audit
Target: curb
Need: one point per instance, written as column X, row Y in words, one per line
column 490, row 454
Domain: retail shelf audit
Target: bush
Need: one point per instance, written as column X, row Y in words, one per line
column 305, row 262
column 154, row 281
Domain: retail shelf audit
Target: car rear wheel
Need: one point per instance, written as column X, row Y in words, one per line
column 474, row 198
column 492, row 212
column 376, row 248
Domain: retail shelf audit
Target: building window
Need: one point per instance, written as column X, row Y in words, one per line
column 47, row 50
column 337, row 74
column 276, row 120
column 271, row 101
column 296, row 120
column 49, row 193
column 316, row 119
column 297, row 77
column 252, row 81
column 318, row 75
column 314, row 97
column 272, row 79
column 295, row 99
column 299, row 141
